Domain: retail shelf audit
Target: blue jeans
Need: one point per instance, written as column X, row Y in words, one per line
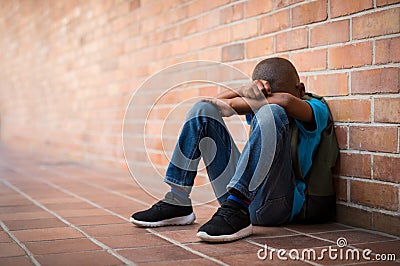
column 262, row 173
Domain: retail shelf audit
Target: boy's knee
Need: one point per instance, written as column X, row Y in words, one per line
column 203, row 109
column 271, row 110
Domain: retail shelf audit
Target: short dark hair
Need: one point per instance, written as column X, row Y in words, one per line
column 279, row 72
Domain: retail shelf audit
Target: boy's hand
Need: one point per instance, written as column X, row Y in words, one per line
column 223, row 106
column 258, row 89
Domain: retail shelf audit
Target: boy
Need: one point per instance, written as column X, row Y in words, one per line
column 257, row 186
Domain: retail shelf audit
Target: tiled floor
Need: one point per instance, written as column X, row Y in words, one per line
column 58, row 213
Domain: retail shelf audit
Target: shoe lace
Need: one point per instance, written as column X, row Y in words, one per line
column 159, row 205
column 225, row 212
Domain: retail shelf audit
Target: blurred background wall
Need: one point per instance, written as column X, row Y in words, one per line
column 68, row 70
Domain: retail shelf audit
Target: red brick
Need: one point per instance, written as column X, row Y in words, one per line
column 244, row 30
column 341, row 189
column 309, row 12
column 374, row 194
column 233, row 52
column 344, row 7
column 387, row 168
column 386, row 2
column 341, row 136
column 355, row 164
column 260, row 47
column 231, row 13
column 351, row 55
column 375, row 81
column 329, row 84
column 386, row 223
column 387, row 110
column 217, row 37
column 189, row 27
column 256, row 7
column 373, row 138
column 376, row 24
column 387, row 50
column 292, row 40
column 353, row 216
column 275, row 22
column 196, row 8
column 309, row 60
column 210, row 20
column 350, row 110
column 322, row 34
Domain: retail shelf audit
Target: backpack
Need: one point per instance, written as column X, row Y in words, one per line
column 320, row 199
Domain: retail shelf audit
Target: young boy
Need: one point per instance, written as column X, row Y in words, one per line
column 257, row 186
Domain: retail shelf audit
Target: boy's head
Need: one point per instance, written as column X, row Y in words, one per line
column 281, row 75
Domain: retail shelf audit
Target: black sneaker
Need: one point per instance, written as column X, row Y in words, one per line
column 169, row 211
column 230, row 222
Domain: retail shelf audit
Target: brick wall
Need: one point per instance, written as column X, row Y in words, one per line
column 68, row 69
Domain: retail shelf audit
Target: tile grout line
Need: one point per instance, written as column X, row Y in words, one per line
column 100, row 207
column 26, row 250
column 95, row 241
column 177, row 243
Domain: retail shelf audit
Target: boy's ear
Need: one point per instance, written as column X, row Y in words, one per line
column 301, row 89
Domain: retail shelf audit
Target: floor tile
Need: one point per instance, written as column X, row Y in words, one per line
column 34, row 224
column 191, row 262
column 17, row 261
column 111, row 229
column 61, row 246
column 292, row 242
column 19, row 209
column 182, row 236
column 81, row 212
column 10, row 249
column 267, row 231
column 143, row 239
column 68, row 206
column 96, row 220
column 387, row 247
column 155, row 254
column 252, row 259
column 318, row 228
column 4, row 237
column 47, row 234
column 225, row 249
column 78, row 258
column 354, row 236
column 25, row 215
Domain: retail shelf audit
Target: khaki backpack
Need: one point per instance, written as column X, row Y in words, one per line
column 320, row 198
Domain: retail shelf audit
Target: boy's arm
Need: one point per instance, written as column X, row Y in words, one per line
column 295, row 107
column 255, row 90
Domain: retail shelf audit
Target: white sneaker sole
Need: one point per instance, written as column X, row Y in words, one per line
column 226, row 238
column 183, row 220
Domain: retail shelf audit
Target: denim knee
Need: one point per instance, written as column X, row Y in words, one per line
column 203, row 109
column 277, row 111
